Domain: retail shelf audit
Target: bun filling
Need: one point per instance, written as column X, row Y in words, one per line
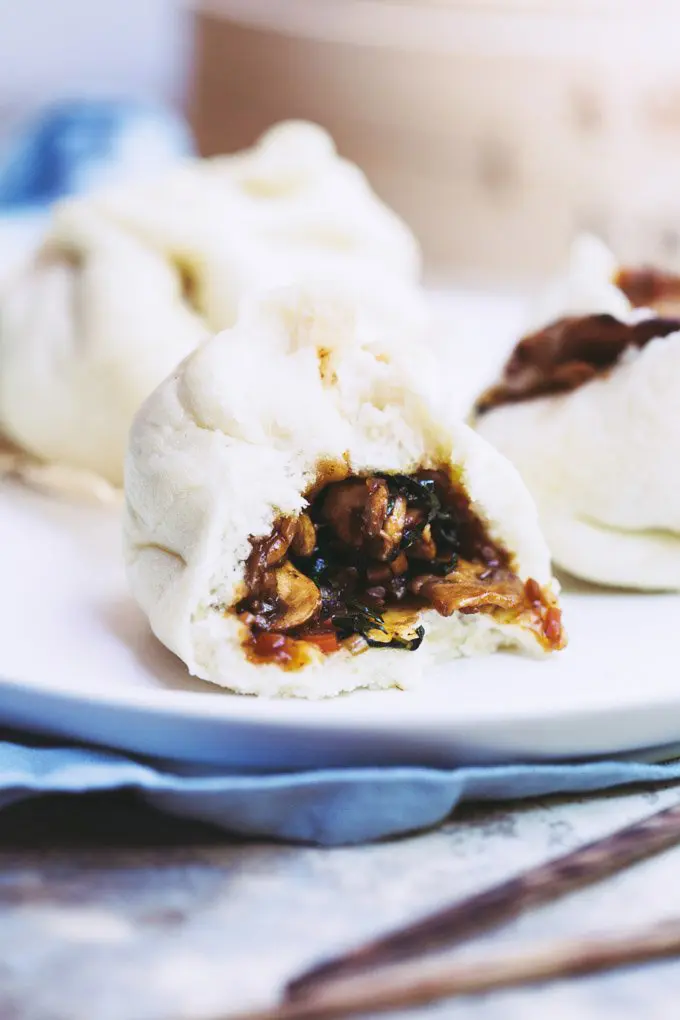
column 568, row 353
column 367, row 558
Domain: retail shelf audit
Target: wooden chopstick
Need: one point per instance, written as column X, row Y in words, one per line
column 418, row 983
column 465, row 918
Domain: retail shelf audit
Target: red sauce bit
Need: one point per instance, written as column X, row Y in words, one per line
column 326, row 643
column 546, row 615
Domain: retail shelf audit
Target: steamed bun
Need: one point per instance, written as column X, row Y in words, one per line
column 297, row 495
column 130, row 280
column 587, row 411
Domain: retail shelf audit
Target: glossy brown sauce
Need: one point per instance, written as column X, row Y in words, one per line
column 568, row 353
column 370, row 553
column 573, row 350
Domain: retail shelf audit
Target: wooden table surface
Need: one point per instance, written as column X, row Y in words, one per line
column 113, row 912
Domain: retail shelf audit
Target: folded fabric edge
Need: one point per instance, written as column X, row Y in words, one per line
column 326, row 807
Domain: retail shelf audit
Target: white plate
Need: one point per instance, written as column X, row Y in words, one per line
column 79, row 661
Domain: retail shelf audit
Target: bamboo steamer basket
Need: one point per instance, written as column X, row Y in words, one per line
column 497, row 128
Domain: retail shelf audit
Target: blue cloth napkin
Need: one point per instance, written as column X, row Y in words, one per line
column 78, row 145
column 74, row 147
column 329, row 807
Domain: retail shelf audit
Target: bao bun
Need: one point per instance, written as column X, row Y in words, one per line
column 131, row 280
column 240, row 433
column 603, row 461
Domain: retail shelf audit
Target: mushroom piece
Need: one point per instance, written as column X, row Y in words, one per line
column 304, row 539
column 464, row 591
column 385, row 542
column 268, row 552
column 393, row 529
column 360, row 513
column 297, row 598
column 278, row 545
column 344, row 507
column 376, row 507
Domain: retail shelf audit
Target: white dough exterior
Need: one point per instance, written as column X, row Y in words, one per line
column 586, row 287
column 234, row 438
column 101, row 315
column 603, row 462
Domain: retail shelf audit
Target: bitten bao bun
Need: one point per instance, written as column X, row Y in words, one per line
column 302, row 512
